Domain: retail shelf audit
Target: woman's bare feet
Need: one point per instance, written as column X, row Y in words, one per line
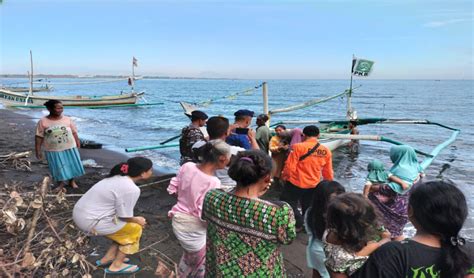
column 73, row 184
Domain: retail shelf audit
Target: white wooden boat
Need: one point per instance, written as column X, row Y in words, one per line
column 10, row 98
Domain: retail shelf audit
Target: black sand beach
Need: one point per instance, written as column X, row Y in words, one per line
column 18, row 136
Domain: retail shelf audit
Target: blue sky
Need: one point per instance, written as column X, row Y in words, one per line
column 240, row 39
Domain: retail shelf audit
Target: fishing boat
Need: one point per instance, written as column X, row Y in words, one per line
column 18, row 89
column 18, row 98
column 334, row 133
column 27, row 100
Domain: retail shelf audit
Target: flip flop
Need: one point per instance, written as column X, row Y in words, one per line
column 123, row 270
column 99, row 264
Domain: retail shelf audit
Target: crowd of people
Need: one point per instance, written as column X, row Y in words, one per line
column 226, row 228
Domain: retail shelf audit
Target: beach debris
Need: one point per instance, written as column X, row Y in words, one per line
column 19, row 161
column 38, row 236
column 91, row 163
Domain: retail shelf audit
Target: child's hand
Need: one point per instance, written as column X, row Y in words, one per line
column 404, row 185
column 385, row 234
column 140, row 220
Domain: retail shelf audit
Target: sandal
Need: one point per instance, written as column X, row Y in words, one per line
column 123, row 270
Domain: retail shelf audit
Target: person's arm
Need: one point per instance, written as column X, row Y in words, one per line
column 337, row 275
column 385, row 262
column 398, row 180
column 176, row 180
column 372, row 246
column 290, row 164
column 136, row 219
column 125, row 203
column 286, row 218
column 274, row 145
column 195, row 135
column 74, row 133
column 76, row 138
column 39, row 138
column 38, row 143
column 328, row 173
column 253, row 142
column 367, row 186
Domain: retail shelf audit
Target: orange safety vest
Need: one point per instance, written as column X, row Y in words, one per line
column 307, row 172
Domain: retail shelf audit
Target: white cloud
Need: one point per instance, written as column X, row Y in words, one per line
column 441, row 23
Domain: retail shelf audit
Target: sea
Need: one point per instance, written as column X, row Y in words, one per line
column 449, row 102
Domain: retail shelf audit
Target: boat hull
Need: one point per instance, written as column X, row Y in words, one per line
column 9, row 98
column 333, row 144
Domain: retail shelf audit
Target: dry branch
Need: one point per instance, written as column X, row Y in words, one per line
column 38, row 237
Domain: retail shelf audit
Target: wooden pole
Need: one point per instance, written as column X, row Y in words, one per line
column 133, row 73
column 349, row 95
column 31, row 73
column 265, row 101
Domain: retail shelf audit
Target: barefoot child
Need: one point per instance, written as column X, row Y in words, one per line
column 348, row 240
column 107, row 210
column 191, row 185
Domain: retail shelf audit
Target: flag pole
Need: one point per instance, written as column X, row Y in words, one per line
column 133, row 73
column 349, row 95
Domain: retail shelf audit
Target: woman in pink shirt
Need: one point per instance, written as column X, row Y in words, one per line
column 57, row 134
column 191, row 185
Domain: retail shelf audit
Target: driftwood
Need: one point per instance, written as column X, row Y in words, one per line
column 37, row 235
column 19, row 161
column 37, row 206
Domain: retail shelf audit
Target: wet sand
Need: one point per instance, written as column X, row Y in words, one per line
column 17, row 135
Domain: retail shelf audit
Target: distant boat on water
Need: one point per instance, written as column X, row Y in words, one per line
column 24, row 97
column 16, row 89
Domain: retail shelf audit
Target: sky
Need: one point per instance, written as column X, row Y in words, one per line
column 239, row 39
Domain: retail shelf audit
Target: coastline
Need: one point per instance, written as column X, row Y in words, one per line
column 18, row 136
column 18, row 131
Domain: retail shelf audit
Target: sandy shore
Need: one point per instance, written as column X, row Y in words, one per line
column 18, row 136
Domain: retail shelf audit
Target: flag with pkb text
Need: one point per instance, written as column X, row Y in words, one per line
column 362, row 67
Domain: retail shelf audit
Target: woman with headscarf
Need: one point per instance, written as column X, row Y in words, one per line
column 391, row 198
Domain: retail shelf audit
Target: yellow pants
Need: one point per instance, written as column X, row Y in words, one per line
column 128, row 238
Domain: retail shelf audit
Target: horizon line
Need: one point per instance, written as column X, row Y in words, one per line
column 13, row 75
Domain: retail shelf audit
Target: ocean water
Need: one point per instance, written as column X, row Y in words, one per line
column 448, row 102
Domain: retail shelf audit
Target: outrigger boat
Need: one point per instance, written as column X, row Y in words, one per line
column 335, row 133
column 19, row 99
column 18, row 89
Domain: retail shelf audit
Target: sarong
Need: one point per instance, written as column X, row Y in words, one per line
column 393, row 207
column 128, row 238
column 191, row 234
column 65, row 165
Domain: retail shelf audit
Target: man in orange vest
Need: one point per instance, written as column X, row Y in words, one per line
column 306, row 163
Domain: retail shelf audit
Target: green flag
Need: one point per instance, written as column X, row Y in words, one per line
column 361, row 67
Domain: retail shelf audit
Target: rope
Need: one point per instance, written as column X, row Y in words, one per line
column 307, row 104
column 230, row 96
column 80, row 195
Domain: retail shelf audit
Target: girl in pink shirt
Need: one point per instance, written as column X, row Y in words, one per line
column 191, row 185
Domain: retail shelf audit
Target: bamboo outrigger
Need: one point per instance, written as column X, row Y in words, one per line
column 334, row 133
